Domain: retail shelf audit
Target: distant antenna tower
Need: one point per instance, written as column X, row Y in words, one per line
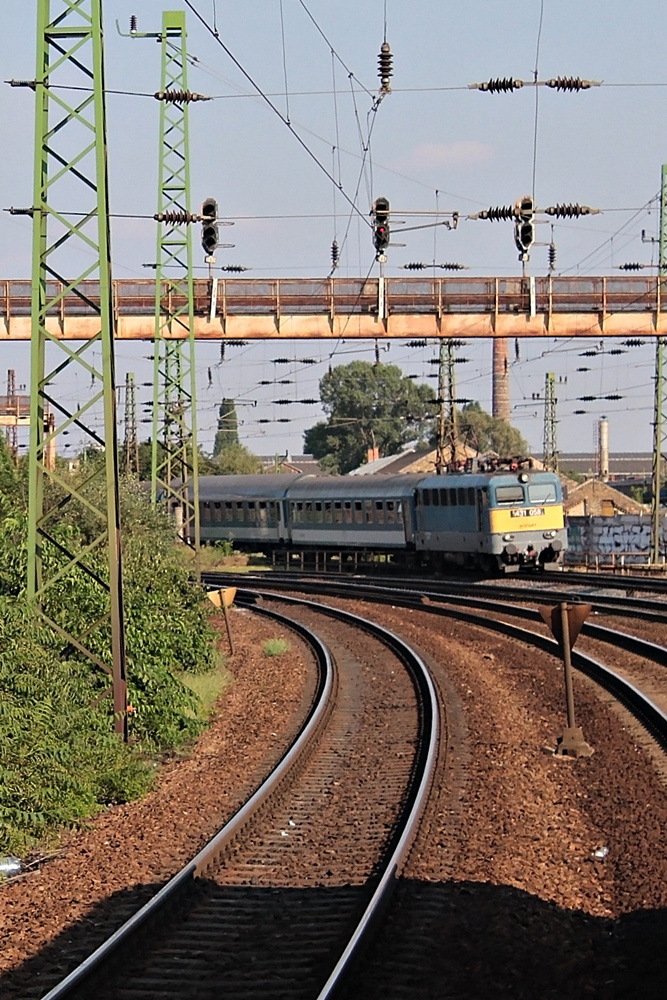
column 660, row 403
column 550, row 448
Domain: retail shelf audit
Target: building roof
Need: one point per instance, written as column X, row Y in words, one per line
column 622, row 465
column 594, row 497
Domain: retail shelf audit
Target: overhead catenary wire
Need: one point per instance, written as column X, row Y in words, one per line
column 273, row 107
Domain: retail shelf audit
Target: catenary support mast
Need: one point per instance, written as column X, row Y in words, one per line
column 660, row 404
column 71, row 177
column 175, row 472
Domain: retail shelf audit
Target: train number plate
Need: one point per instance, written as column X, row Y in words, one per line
column 528, row 512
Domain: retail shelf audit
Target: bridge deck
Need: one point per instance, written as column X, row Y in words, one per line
column 320, row 308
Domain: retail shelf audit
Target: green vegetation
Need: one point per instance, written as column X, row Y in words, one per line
column 275, row 647
column 368, row 406
column 59, row 758
column 486, row 433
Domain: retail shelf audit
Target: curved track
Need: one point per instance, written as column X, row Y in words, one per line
column 274, row 907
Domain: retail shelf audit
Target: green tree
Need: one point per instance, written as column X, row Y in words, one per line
column 368, row 406
column 228, row 427
column 486, row 433
column 234, row 460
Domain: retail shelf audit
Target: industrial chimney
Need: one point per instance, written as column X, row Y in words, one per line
column 603, row 449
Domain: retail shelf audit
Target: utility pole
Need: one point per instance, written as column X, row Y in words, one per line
column 131, row 436
column 175, row 454
column 70, row 214
column 550, row 445
column 448, row 433
column 660, row 402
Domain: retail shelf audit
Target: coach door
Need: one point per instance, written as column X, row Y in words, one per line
column 482, row 509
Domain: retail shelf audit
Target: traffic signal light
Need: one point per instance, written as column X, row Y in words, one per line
column 524, row 227
column 209, row 229
column 381, row 235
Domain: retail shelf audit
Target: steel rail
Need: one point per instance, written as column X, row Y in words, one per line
column 308, row 583
column 415, row 800
column 646, row 711
column 92, row 965
column 398, row 845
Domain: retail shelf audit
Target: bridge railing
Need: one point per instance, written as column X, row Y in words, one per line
column 349, row 296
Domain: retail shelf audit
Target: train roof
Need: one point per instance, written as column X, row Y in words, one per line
column 501, row 477
column 353, row 487
column 273, row 486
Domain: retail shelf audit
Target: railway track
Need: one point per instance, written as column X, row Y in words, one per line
column 279, row 902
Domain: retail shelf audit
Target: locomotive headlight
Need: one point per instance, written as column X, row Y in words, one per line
column 524, row 477
column 549, row 534
column 508, row 538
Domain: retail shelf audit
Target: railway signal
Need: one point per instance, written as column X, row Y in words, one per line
column 524, row 227
column 565, row 622
column 381, row 233
column 209, row 229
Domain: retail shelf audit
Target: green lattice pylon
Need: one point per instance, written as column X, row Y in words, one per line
column 550, row 443
column 448, row 431
column 660, row 401
column 71, row 224
column 175, row 471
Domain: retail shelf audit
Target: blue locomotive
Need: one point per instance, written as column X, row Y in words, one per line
column 490, row 521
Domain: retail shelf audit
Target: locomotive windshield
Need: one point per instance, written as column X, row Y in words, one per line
column 542, row 493
column 509, row 494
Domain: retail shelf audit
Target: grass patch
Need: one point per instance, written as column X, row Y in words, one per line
column 208, row 687
column 275, row 647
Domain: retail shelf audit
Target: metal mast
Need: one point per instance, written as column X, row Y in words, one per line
column 660, row 401
column 131, row 437
column 175, row 466
column 448, row 431
column 550, row 445
column 12, row 429
column 70, row 223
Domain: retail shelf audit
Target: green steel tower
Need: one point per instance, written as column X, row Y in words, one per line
column 448, row 431
column 71, row 223
column 175, row 472
column 550, row 446
column 660, row 404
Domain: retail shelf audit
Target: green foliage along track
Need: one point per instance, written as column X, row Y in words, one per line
column 59, row 758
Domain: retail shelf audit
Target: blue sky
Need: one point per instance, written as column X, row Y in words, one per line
column 435, row 145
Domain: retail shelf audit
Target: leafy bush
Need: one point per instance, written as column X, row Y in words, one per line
column 59, row 758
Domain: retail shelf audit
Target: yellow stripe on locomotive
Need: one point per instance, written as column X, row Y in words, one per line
column 516, row 519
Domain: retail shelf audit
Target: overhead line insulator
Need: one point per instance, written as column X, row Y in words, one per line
column 570, row 83
column 631, row 266
column 496, row 213
column 335, row 255
column 570, row 211
column 179, row 96
column 234, row 268
column 552, row 256
column 177, row 218
column 499, row 85
column 385, row 67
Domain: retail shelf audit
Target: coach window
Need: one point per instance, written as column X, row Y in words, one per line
column 399, row 511
column 435, row 498
column 391, row 513
column 379, row 512
column 297, row 512
column 348, row 511
column 240, row 513
column 261, row 512
column 462, row 496
column 471, row 496
column 452, row 498
column 426, row 495
column 252, row 512
column 509, row 494
column 369, row 511
column 319, row 514
column 328, row 512
column 229, row 513
column 358, row 512
column 308, row 511
column 338, row 512
column 444, row 498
